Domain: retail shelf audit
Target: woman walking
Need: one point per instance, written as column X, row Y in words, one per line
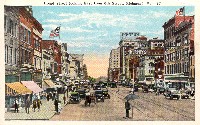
column 38, row 104
column 34, row 105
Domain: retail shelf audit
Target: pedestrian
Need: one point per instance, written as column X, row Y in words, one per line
column 132, row 90
column 59, row 108
column 27, row 105
column 38, row 104
column 54, row 95
column 16, row 105
column 34, row 105
column 56, row 105
column 127, row 107
column 64, row 99
column 89, row 101
column 48, row 97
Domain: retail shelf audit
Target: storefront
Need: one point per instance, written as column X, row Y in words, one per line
column 14, row 91
column 34, row 88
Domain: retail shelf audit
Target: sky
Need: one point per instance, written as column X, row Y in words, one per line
column 95, row 30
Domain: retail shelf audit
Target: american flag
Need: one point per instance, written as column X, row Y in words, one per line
column 55, row 33
column 180, row 11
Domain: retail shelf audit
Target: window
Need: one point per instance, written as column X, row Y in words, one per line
column 185, row 39
column 5, row 23
column 178, row 41
column 25, row 30
column 21, row 32
column 186, row 52
column 6, row 54
column 29, row 37
column 167, row 69
column 11, row 55
column 15, row 56
column 34, row 62
column 15, row 29
column 10, row 30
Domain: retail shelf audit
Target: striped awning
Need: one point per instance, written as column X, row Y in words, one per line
column 32, row 86
column 18, row 88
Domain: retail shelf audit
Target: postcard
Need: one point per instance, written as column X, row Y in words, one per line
column 102, row 62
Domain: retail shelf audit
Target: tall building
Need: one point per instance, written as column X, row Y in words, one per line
column 56, row 65
column 85, row 73
column 65, row 62
column 179, row 37
column 11, row 41
column 114, row 65
column 76, row 67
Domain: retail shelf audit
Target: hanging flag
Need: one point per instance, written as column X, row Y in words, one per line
column 180, row 12
column 55, row 33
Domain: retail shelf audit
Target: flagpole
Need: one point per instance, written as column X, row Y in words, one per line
column 184, row 13
column 59, row 32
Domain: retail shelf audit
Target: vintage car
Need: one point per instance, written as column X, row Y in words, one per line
column 145, row 88
column 74, row 98
column 113, row 85
column 81, row 93
column 97, row 87
column 99, row 95
column 161, row 90
column 172, row 93
column 105, row 93
column 135, row 88
column 185, row 94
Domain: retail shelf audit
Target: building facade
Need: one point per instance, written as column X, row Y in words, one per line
column 56, row 51
column 11, row 35
column 178, row 35
column 114, row 65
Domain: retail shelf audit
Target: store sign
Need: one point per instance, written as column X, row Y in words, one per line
column 129, row 35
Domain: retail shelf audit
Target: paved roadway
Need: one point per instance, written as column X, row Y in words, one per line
column 148, row 107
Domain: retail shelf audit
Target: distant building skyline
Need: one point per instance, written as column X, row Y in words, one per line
column 95, row 30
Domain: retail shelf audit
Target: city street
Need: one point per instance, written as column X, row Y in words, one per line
column 147, row 108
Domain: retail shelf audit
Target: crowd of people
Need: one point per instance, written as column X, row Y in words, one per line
column 36, row 103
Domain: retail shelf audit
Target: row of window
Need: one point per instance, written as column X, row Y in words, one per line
column 10, row 26
column 10, row 55
column 25, row 56
column 25, row 34
column 179, row 54
column 169, row 32
column 37, row 44
column 177, row 68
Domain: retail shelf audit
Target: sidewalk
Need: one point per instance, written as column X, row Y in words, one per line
column 47, row 111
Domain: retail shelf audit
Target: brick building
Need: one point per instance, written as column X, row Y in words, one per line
column 56, row 50
column 179, row 37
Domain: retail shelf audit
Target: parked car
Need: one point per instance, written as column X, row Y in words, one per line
column 185, row 94
column 74, row 98
column 99, row 95
column 105, row 93
column 172, row 93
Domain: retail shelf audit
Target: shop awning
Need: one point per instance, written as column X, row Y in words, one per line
column 49, row 83
column 32, row 86
column 18, row 88
column 176, row 79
